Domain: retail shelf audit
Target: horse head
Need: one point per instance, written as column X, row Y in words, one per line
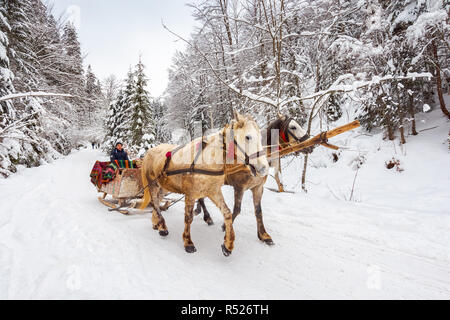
column 247, row 144
column 289, row 132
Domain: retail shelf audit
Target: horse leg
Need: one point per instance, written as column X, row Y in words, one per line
column 188, row 217
column 277, row 176
column 262, row 233
column 157, row 219
column 198, row 209
column 238, row 194
column 218, row 200
column 206, row 216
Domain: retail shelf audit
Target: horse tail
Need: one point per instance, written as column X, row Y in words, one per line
column 147, row 196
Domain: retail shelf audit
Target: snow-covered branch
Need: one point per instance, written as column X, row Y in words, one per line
column 356, row 85
column 33, row 94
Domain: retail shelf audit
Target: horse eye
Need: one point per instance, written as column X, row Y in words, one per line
column 293, row 128
column 248, row 138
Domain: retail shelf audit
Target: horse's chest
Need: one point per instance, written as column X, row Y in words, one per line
column 244, row 181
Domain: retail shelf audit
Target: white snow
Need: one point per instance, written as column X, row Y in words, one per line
column 58, row 241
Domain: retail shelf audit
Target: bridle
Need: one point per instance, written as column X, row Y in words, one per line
column 285, row 132
column 232, row 154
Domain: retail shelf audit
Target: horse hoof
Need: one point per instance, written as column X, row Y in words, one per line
column 269, row 242
column 209, row 222
column 163, row 233
column 190, row 249
column 225, row 251
column 223, row 227
column 197, row 211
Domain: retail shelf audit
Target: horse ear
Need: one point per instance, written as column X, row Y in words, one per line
column 237, row 116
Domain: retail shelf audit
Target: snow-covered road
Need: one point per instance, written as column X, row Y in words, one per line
column 58, row 241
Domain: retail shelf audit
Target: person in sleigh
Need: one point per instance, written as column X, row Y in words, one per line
column 119, row 153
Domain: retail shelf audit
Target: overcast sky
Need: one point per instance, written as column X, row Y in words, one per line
column 113, row 33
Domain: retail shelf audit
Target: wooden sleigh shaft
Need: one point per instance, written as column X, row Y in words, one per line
column 320, row 139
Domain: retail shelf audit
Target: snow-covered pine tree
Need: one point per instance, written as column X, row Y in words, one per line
column 123, row 110
column 47, row 44
column 110, row 126
column 23, row 58
column 73, row 67
column 142, row 126
column 93, row 96
column 73, row 51
column 45, row 41
column 7, row 113
column 22, row 134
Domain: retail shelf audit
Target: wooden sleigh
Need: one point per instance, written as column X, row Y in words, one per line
column 125, row 191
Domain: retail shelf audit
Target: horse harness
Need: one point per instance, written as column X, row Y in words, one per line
column 228, row 153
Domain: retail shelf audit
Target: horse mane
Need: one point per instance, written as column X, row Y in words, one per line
column 242, row 122
column 266, row 134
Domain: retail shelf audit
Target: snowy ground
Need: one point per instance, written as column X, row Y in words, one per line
column 58, row 241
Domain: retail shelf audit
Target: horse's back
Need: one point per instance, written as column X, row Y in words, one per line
column 155, row 159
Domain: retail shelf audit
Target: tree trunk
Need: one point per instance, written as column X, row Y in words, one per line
column 412, row 115
column 438, row 79
column 308, row 131
column 305, row 165
column 390, row 131
column 402, row 134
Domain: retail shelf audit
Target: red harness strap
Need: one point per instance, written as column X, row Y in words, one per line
column 230, row 151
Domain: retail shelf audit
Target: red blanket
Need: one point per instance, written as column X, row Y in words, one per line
column 104, row 172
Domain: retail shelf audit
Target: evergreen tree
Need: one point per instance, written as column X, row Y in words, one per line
column 112, row 123
column 47, row 44
column 73, row 50
column 6, row 76
column 124, row 103
column 142, row 127
column 93, row 94
column 24, row 60
column 73, row 67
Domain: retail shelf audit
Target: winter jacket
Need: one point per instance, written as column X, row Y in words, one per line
column 119, row 155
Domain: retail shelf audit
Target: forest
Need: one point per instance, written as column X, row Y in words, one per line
column 267, row 57
column 377, row 61
column 364, row 215
column 49, row 102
